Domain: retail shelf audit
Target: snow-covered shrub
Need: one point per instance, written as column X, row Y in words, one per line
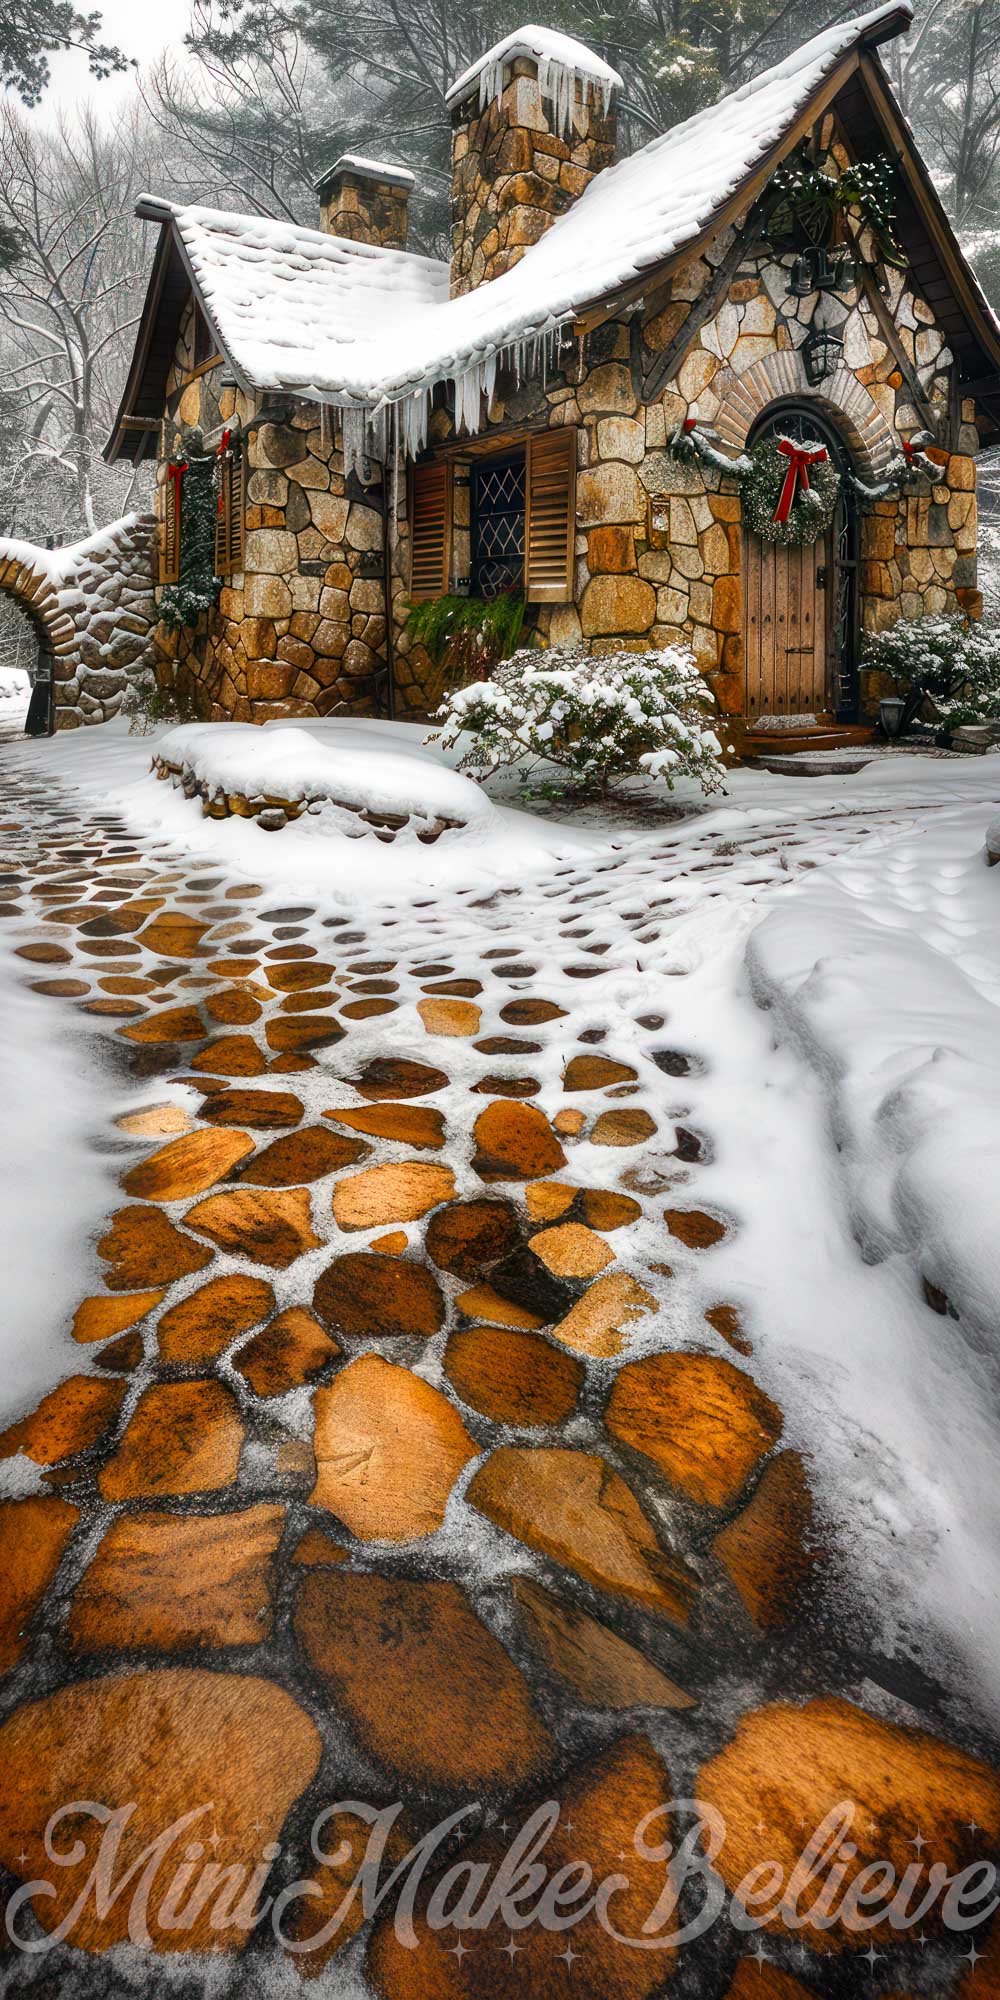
column 598, row 720
column 947, row 658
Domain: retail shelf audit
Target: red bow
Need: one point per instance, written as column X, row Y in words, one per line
column 223, row 443
column 690, row 423
column 799, row 461
column 175, row 474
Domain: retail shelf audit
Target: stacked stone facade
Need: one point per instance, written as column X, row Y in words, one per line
column 93, row 608
column 365, row 204
column 304, row 632
column 512, row 174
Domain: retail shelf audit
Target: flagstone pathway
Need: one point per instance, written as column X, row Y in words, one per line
column 407, row 1451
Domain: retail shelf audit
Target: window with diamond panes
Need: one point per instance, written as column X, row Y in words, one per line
column 498, row 494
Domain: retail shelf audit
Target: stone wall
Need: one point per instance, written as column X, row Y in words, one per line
column 92, row 606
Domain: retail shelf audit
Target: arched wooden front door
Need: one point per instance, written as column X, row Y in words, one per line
column 798, row 603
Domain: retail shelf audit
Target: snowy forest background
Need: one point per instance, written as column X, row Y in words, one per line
column 262, row 96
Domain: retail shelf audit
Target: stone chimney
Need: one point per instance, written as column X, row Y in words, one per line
column 365, row 200
column 532, row 123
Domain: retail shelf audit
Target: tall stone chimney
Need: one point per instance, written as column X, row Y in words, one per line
column 532, row 122
column 365, row 200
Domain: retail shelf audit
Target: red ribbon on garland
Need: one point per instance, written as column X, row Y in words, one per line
column 799, row 461
column 175, row 473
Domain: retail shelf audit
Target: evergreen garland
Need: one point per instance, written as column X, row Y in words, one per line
column 197, row 588
column 811, row 512
column 808, row 203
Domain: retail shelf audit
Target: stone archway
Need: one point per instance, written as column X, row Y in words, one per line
column 94, row 610
column 845, row 400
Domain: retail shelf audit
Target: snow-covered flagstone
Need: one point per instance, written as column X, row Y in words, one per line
column 539, row 1346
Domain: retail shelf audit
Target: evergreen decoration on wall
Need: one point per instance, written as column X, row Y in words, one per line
column 197, row 586
column 808, row 205
column 905, row 471
column 689, row 444
column 790, row 493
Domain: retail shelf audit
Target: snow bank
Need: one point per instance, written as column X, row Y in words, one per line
column 325, row 761
column 885, row 971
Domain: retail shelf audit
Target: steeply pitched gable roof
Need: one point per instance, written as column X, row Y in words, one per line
column 303, row 313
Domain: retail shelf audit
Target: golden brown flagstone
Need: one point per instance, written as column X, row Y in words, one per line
column 33, row 1534
column 99, row 1318
column 407, row 1124
column 289, row 977
column 231, row 1055
column 188, row 1165
column 726, row 1320
column 368, row 1296
column 270, row 1225
column 569, row 1123
column 122, row 1355
column 182, row 1437
column 165, row 1741
column 604, row 1209
column 622, row 1128
column 333, row 1917
column 595, row 1073
column 397, row 1076
column 572, row 1506
column 530, row 1013
column 112, row 1009
column 482, row 1302
column 203, row 1324
column 70, row 1419
column 515, row 1143
column 171, row 1024
column 787, row 1766
column 512, row 1376
column 44, row 954
column 600, row 1806
column 600, row 1667
column 572, row 1251
column 233, row 1006
column 290, row 1032
column 426, row 1687
column 306, row 1155
column 318, row 1550
column 702, row 1421
column 173, row 935
column 469, row 1237
column 65, row 989
column 765, row 1551
column 392, row 1244
column 292, row 1350
column 363, row 1010
column 389, row 1448
column 693, row 1227
column 400, row 1191
column 264, row 1110
column 596, row 1324
column 545, row 1200
column 169, row 1581
column 449, row 1017
column 155, row 1121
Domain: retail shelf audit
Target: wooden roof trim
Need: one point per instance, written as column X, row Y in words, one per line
column 169, row 247
column 950, row 254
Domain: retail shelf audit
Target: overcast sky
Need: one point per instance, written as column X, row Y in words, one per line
column 140, row 28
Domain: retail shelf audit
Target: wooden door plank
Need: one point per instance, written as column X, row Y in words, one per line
column 781, row 627
column 767, row 693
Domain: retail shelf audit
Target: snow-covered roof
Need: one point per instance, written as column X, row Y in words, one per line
column 304, row 313
column 561, row 60
column 374, row 170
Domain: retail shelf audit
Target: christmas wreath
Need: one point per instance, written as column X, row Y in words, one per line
column 790, row 492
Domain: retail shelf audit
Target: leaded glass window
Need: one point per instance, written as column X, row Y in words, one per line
column 498, row 494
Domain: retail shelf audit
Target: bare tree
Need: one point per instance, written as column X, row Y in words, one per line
column 69, row 305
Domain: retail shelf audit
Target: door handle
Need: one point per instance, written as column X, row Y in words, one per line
column 822, row 577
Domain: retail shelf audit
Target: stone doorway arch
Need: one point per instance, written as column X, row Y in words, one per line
column 846, row 402
column 94, row 610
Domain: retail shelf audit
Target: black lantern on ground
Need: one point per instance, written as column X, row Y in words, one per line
column 822, row 350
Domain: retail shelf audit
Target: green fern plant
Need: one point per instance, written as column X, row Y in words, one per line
column 463, row 636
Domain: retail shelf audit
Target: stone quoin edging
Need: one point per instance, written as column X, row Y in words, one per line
column 272, row 811
column 93, row 608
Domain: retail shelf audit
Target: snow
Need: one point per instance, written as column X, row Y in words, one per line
column 826, row 954
column 350, row 764
column 347, row 323
column 379, row 170
column 15, row 694
column 564, row 65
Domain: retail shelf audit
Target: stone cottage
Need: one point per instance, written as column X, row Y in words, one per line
column 572, row 407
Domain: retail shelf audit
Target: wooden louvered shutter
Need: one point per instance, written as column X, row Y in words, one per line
column 169, row 502
column 231, row 512
column 550, row 517
column 430, row 530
